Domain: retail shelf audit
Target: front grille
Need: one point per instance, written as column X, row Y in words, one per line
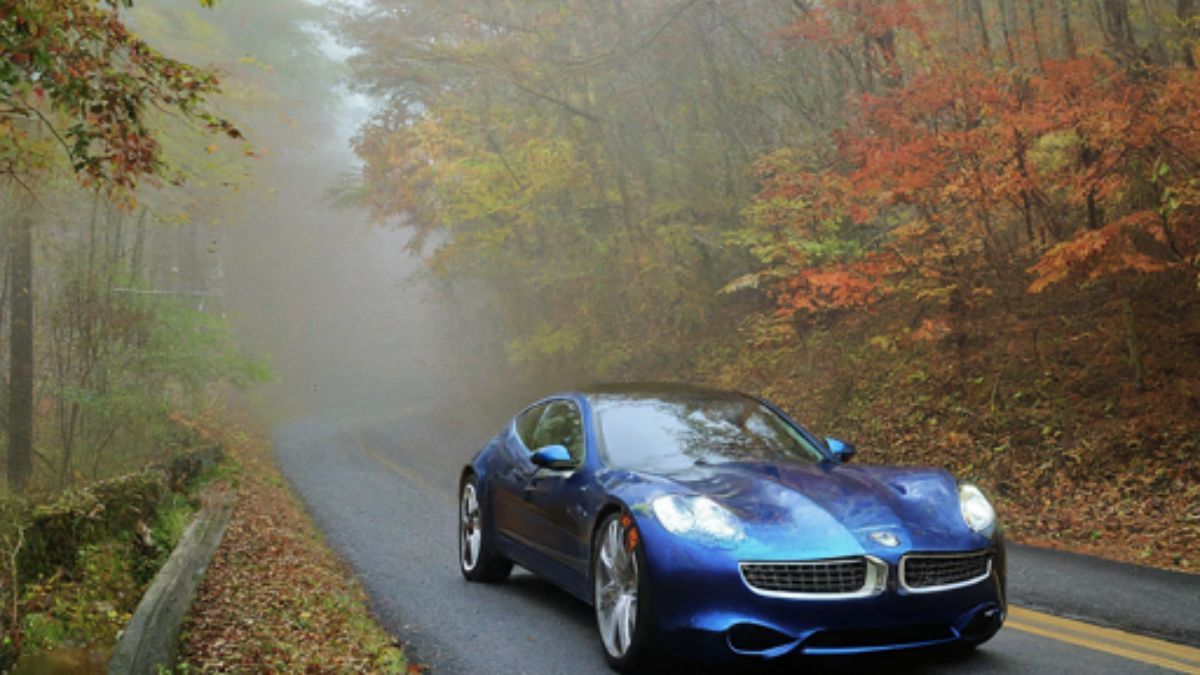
column 930, row 571
column 825, row 577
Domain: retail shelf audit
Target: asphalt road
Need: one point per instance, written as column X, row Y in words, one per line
column 382, row 489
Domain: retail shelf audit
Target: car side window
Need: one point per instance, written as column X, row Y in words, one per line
column 527, row 423
column 560, row 424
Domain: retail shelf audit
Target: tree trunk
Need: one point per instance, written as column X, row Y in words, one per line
column 1094, row 214
column 720, row 101
column 139, row 244
column 981, row 23
column 1117, row 26
column 1132, row 344
column 1035, row 34
column 1185, row 11
column 20, row 392
column 1009, row 28
column 1157, row 50
column 1068, row 35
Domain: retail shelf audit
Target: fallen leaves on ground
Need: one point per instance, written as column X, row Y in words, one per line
column 275, row 599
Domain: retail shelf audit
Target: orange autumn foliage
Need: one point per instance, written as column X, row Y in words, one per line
column 966, row 168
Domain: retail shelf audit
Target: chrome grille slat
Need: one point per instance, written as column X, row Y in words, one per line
column 840, row 577
column 933, row 571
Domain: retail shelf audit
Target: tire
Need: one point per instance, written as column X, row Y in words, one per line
column 625, row 649
column 477, row 556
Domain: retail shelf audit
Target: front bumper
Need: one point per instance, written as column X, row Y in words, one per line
column 703, row 610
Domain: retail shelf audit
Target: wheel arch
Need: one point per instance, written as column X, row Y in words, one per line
column 467, row 472
column 470, row 473
column 604, row 512
column 609, row 508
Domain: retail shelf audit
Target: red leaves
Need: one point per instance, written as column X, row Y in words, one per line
column 843, row 23
column 967, row 169
column 847, row 286
column 1097, row 253
column 933, row 329
column 77, row 57
column 823, row 289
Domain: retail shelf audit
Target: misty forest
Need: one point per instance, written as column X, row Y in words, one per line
column 961, row 233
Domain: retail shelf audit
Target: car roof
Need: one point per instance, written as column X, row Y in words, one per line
column 652, row 390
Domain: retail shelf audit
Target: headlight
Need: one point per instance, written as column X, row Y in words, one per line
column 699, row 517
column 977, row 511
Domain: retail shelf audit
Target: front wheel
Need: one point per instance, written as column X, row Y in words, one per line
column 620, row 593
column 477, row 557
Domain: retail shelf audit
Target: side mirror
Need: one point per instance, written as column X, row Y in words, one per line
column 842, row 450
column 553, row 457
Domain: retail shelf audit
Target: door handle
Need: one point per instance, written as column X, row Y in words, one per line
column 531, row 487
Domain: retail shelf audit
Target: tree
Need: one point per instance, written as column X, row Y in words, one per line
column 587, row 169
column 1091, row 158
column 20, row 394
column 609, row 177
column 75, row 79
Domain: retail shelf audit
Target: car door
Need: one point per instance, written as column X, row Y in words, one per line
column 555, row 497
column 510, row 509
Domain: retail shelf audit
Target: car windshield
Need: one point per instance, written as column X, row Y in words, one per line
column 676, row 432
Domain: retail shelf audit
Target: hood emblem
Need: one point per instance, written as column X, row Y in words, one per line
column 885, row 539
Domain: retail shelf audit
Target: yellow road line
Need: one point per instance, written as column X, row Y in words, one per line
column 399, row 469
column 1118, row 643
column 1181, row 652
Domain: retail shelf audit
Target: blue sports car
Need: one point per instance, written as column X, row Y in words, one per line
column 709, row 525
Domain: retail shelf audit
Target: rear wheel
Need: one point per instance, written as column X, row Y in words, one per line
column 620, row 593
column 477, row 557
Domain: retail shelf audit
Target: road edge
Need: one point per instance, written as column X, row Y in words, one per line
column 1140, row 599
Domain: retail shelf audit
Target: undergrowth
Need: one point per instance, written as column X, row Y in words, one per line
column 85, row 558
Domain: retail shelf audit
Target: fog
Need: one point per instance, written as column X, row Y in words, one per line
column 337, row 304
column 715, row 192
column 348, row 317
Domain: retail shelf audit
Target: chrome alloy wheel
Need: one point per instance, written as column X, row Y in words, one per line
column 616, row 592
column 470, row 529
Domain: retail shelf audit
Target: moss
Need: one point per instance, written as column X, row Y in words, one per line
column 89, row 609
column 174, row 514
column 56, row 532
column 87, row 556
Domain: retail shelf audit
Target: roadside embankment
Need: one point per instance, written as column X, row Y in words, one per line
column 75, row 565
column 274, row 597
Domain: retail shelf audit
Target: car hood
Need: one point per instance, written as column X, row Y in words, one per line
column 829, row 510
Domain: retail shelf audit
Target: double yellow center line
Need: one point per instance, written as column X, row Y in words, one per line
column 1118, row 643
column 411, row 475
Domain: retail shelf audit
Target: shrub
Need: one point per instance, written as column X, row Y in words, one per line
column 57, row 531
